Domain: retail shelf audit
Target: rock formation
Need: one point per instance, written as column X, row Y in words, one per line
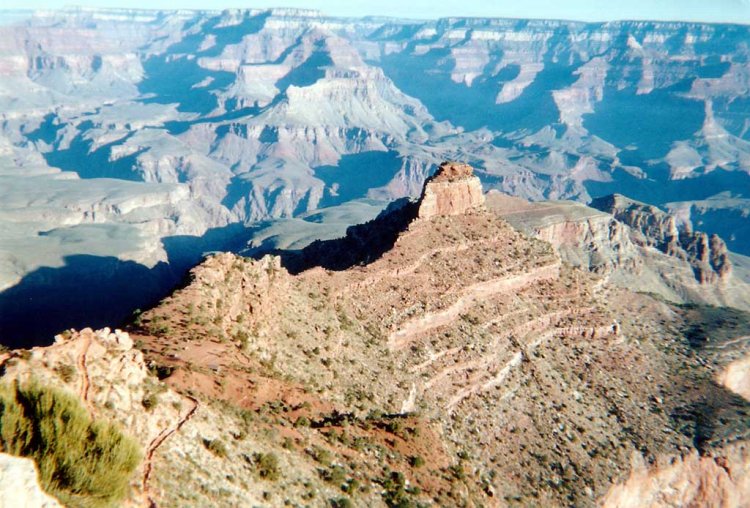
column 19, row 484
column 123, row 128
column 736, row 377
column 452, row 190
column 689, row 480
column 641, row 247
column 465, row 364
column 462, row 319
column 656, row 228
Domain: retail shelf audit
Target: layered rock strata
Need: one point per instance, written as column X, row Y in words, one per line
column 707, row 255
column 465, row 364
column 452, row 190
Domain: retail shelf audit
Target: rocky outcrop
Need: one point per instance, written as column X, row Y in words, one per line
column 452, row 190
column 653, row 227
column 736, row 377
column 585, row 237
column 455, row 327
column 692, row 480
column 19, row 485
column 680, row 266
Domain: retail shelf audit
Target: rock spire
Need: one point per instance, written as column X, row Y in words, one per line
column 452, row 190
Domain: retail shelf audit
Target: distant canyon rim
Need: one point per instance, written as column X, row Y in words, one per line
column 134, row 141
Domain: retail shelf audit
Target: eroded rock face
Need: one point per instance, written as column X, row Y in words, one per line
column 693, row 480
column 536, row 381
column 452, row 190
column 708, row 256
column 19, row 485
column 736, row 377
column 642, row 248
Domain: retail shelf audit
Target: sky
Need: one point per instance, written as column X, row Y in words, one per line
column 735, row 11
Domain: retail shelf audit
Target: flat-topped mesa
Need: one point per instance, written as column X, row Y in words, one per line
column 452, row 190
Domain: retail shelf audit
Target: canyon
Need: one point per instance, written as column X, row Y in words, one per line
column 132, row 142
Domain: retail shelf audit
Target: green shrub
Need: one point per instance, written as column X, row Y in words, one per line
column 457, row 471
column 335, row 475
column 302, row 421
column 416, row 461
column 150, row 401
column 243, row 338
column 395, row 493
column 320, row 455
column 352, row 486
column 83, row 462
column 341, row 502
column 216, row 446
column 267, row 466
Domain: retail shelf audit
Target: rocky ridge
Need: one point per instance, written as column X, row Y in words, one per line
column 464, row 364
column 708, row 255
column 168, row 132
column 646, row 250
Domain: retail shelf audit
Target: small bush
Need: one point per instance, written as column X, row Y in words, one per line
column 216, row 446
column 137, row 317
column 150, row 401
column 243, row 338
column 416, row 461
column 335, row 475
column 352, row 486
column 321, row 455
column 82, row 462
column 394, row 492
column 267, row 466
column 302, row 421
column 161, row 371
column 457, row 471
column 66, row 372
column 342, row 502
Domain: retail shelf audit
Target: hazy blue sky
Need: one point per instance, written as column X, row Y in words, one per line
column 737, row 11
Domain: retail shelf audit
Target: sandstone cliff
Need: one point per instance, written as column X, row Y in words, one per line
column 637, row 246
column 452, row 190
column 656, row 228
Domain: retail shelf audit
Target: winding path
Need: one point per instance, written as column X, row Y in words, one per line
column 83, row 369
column 157, row 442
column 431, row 320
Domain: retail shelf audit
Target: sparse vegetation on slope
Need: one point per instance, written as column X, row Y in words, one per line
column 464, row 366
column 83, row 462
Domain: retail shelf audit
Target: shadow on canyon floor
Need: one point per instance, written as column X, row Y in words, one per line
column 100, row 291
column 97, row 291
column 363, row 243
